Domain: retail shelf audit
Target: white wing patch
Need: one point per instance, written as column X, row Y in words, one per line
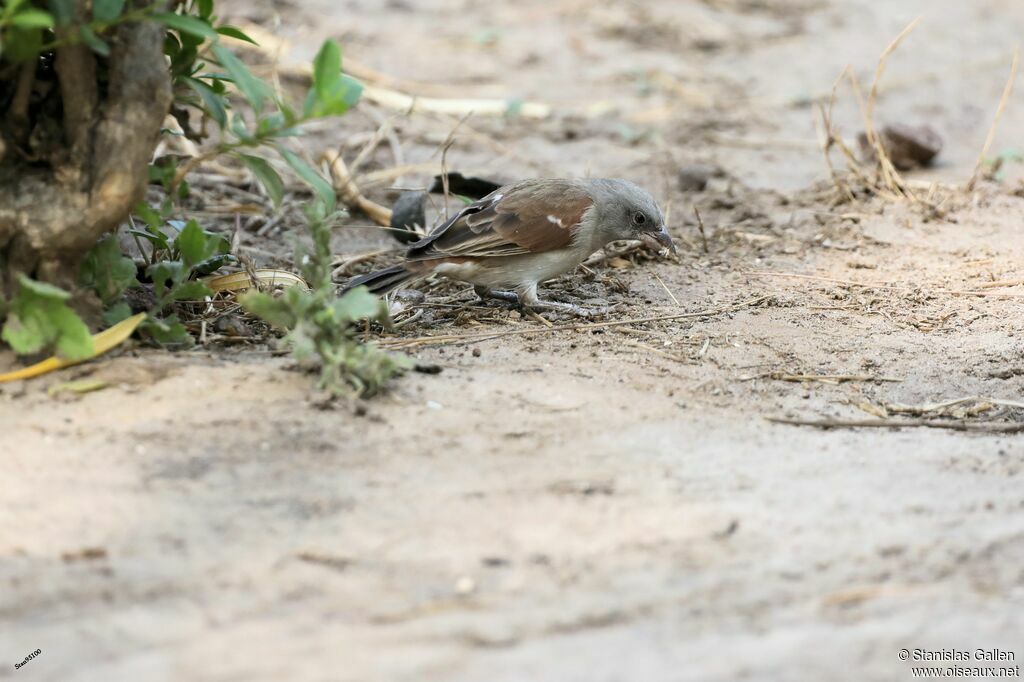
column 556, row 220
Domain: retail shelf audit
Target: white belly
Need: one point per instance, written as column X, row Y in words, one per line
column 515, row 272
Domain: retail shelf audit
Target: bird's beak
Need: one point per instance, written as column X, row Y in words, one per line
column 661, row 239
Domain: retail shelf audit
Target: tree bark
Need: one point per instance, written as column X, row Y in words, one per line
column 51, row 214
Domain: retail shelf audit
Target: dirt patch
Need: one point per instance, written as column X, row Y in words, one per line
column 601, row 503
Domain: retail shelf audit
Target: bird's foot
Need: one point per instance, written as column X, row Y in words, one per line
column 496, row 294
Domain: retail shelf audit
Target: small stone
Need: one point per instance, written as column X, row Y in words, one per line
column 465, row 585
column 408, row 217
column 410, row 295
column 907, row 146
column 694, row 177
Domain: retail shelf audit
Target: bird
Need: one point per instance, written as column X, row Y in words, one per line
column 508, row 242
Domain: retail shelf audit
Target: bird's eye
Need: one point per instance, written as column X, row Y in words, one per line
column 639, row 219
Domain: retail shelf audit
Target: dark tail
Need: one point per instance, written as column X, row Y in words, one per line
column 383, row 281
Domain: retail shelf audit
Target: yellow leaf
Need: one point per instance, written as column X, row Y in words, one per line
column 102, row 342
column 240, row 281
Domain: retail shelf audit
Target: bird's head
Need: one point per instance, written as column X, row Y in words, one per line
column 630, row 212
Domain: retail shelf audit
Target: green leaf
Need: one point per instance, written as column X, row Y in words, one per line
column 358, row 304
column 95, row 43
column 302, row 342
column 63, row 11
column 167, row 332
column 106, row 270
column 253, row 89
column 326, row 68
column 32, row 18
column 73, row 341
column 191, row 243
column 269, row 309
column 105, row 11
column 184, row 23
column 266, row 175
column 350, row 90
column 11, row 6
column 213, row 263
column 239, row 129
column 22, row 44
column 214, row 103
column 39, row 318
column 205, row 9
column 150, row 215
column 116, row 313
column 332, row 93
column 342, row 97
column 322, row 188
column 159, row 241
column 166, row 274
column 42, row 289
column 233, row 32
column 191, row 291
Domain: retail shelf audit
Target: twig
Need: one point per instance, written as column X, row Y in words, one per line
column 485, row 107
column 349, row 193
column 391, row 137
column 534, row 316
column 342, row 267
column 700, row 226
column 667, row 290
column 981, row 427
column 606, row 254
column 409, row 320
column 889, row 173
column 388, row 175
column 1007, row 91
column 794, row 144
column 369, row 147
column 1001, row 283
column 444, row 174
column 823, row 378
column 829, row 138
column 935, row 407
column 658, row 351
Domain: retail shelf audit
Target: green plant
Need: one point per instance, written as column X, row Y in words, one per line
column 108, row 273
column 39, row 317
column 204, row 75
column 173, row 267
column 319, row 323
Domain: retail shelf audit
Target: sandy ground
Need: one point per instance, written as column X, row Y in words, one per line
column 593, row 505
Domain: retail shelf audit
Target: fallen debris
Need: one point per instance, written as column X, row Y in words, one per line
column 907, row 146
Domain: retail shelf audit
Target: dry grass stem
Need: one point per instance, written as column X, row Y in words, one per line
column 982, row 427
column 667, row 290
column 658, row 351
column 822, row 378
column 349, row 193
column 700, row 227
column 1007, row 91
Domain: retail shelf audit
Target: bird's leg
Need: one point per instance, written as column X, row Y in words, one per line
column 528, row 297
column 486, row 292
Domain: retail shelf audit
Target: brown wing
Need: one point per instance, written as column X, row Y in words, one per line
column 528, row 217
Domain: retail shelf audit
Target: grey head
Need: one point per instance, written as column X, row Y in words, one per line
column 627, row 211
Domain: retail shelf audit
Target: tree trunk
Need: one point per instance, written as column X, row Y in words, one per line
column 56, row 201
